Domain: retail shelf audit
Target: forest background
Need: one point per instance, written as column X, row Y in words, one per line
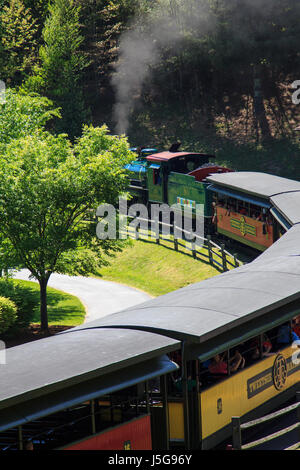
column 216, row 75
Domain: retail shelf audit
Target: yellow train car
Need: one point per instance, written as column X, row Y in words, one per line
column 247, row 393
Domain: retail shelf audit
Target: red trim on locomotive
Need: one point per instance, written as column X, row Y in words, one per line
column 201, row 173
column 166, row 156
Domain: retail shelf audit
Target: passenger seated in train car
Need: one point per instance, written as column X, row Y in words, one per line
column 286, row 336
column 191, row 384
column 220, row 200
column 265, row 351
column 28, row 445
column 230, row 206
column 175, row 376
column 296, row 325
column 243, row 210
column 218, row 364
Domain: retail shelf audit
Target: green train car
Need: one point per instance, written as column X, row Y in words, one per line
column 174, row 178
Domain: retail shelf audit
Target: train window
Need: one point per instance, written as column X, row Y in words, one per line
column 190, row 166
column 156, row 177
column 246, row 354
column 244, row 208
column 287, row 334
column 78, row 422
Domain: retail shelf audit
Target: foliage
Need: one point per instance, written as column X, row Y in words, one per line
column 7, row 314
column 23, row 114
column 46, row 190
column 63, row 309
column 59, row 75
column 24, row 299
column 103, row 23
column 17, row 41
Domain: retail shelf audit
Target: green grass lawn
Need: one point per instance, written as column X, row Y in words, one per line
column 63, row 309
column 156, row 269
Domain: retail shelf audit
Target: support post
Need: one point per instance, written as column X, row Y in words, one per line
column 93, row 417
column 236, row 433
column 194, row 250
column 236, row 263
column 210, row 255
column 20, row 438
column 224, row 259
column 298, row 413
column 185, row 396
column 164, row 391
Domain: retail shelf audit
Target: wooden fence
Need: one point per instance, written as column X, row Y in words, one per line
column 237, row 428
column 200, row 247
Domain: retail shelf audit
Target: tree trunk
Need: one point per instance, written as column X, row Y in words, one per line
column 259, row 107
column 43, row 305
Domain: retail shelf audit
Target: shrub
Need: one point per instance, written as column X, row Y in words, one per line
column 24, row 298
column 8, row 314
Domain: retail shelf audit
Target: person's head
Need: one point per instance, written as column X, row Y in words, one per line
column 255, row 353
column 29, row 445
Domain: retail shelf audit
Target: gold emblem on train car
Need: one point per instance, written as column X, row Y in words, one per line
column 243, row 226
column 279, row 372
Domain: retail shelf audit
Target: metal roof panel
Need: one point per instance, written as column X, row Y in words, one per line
column 53, row 363
column 288, row 205
column 257, row 184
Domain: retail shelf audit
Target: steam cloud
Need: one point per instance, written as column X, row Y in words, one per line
column 136, row 55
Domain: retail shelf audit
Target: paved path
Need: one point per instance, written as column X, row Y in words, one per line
column 99, row 297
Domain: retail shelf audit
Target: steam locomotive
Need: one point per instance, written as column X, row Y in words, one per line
column 186, row 179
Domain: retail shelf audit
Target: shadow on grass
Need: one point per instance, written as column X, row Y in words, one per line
column 200, row 256
column 63, row 308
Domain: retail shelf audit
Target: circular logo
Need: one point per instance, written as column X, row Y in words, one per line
column 279, row 372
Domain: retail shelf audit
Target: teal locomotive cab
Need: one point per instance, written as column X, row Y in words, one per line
column 147, row 151
column 137, row 174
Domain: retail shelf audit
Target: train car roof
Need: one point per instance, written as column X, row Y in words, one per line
column 223, row 306
column 166, row 156
column 287, row 246
column 254, row 183
column 288, row 204
column 64, row 370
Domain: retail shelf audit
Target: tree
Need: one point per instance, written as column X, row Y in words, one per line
column 23, row 114
column 20, row 116
column 17, row 41
column 103, row 23
column 59, row 75
column 47, row 186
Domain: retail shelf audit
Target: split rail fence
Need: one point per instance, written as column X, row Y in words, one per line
column 200, row 247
